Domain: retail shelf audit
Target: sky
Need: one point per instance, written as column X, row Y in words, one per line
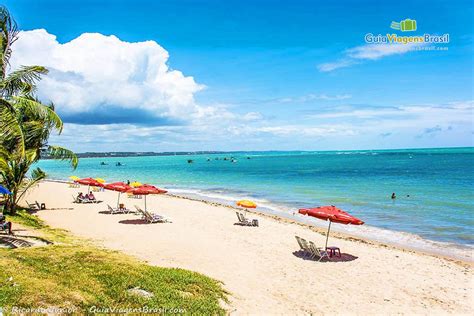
column 189, row 75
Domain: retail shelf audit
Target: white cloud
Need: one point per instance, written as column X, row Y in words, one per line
column 327, row 67
column 94, row 70
column 377, row 51
column 357, row 54
column 312, row 97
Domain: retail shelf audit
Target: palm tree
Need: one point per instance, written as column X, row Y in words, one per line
column 25, row 122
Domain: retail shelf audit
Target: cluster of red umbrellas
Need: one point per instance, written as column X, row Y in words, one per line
column 328, row 213
column 122, row 187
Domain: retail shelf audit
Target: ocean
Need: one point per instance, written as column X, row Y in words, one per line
column 433, row 210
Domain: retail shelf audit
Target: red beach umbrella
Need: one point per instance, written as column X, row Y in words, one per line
column 90, row 183
column 145, row 190
column 120, row 187
column 332, row 214
column 117, row 186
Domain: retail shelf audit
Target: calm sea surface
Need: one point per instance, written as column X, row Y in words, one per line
column 434, row 187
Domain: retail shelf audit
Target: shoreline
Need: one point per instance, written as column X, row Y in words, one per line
column 262, row 267
column 334, row 233
column 337, row 233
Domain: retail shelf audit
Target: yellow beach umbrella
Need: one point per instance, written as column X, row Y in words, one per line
column 100, row 180
column 135, row 184
column 74, row 178
column 246, row 204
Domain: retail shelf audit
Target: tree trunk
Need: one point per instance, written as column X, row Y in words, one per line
column 10, row 208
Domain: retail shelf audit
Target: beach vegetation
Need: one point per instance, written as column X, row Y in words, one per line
column 25, row 122
column 75, row 276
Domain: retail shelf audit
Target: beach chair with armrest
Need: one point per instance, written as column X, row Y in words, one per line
column 298, row 239
column 248, row 222
column 81, row 201
column 114, row 210
column 318, row 252
column 306, row 248
column 242, row 220
column 238, row 217
column 38, row 205
column 32, row 206
column 152, row 218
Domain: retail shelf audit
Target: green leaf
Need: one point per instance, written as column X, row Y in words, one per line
column 57, row 152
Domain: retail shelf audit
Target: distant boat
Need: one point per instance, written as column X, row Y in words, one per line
column 118, row 164
column 103, row 164
column 190, row 161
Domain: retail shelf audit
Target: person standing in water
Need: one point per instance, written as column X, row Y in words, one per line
column 394, row 196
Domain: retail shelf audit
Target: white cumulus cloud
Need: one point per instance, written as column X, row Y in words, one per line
column 95, row 70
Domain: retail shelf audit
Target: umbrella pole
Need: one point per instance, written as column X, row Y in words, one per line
column 145, row 202
column 327, row 234
column 118, row 200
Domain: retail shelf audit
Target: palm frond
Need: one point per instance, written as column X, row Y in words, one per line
column 22, row 81
column 57, row 152
column 10, row 127
column 43, row 112
column 36, row 176
column 8, row 35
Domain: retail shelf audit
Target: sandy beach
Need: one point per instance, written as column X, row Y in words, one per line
column 260, row 266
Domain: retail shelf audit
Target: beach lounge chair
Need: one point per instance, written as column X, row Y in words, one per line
column 152, row 218
column 33, row 206
column 39, row 205
column 83, row 200
column 306, row 249
column 245, row 221
column 242, row 220
column 318, row 252
column 115, row 210
column 134, row 196
column 302, row 248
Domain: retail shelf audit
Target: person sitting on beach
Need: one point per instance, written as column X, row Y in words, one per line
column 4, row 224
column 80, row 197
column 91, row 196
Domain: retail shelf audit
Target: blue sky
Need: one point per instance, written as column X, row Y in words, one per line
column 250, row 75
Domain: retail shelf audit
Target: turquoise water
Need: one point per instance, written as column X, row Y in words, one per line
column 439, row 183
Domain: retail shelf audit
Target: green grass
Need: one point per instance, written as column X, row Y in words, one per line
column 75, row 274
column 24, row 218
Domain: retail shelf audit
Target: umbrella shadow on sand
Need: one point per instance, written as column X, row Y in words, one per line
column 106, row 212
column 136, row 221
column 345, row 257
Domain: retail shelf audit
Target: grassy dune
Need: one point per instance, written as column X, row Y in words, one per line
column 74, row 274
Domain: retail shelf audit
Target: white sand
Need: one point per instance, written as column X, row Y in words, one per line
column 257, row 265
